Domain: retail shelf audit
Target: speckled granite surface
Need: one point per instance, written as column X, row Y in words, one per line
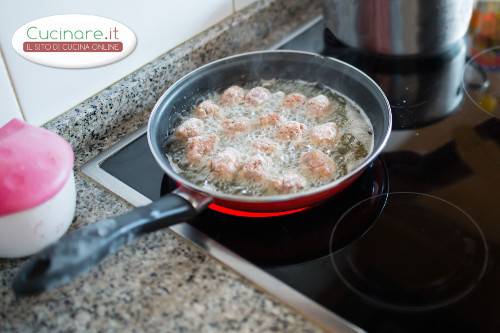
column 160, row 282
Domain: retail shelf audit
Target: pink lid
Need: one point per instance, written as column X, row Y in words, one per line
column 34, row 165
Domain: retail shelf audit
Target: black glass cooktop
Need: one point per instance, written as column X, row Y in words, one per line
column 414, row 244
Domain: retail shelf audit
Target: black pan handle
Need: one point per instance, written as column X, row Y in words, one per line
column 82, row 249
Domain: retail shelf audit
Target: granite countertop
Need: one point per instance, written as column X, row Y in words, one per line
column 160, row 282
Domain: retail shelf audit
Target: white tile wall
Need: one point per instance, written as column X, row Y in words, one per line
column 240, row 4
column 159, row 25
column 8, row 104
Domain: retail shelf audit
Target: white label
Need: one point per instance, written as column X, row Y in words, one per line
column 74, row 41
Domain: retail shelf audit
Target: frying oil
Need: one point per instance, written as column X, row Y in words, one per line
column 354, row 143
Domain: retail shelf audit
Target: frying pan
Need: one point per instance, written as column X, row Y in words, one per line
column 80, row 250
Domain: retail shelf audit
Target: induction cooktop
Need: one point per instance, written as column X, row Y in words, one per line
column 413, row 245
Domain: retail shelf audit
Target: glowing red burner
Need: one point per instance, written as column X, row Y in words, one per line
column 242, row 213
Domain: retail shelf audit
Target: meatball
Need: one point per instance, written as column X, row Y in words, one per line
column 236, row 126
column 324, row 135
column 257, row 96
column 293, row 100
column 265, row 146
column 255, row 169
column 270, row 119
column 225, row 164
column 232, row 96
column 198, row 148
column 288, row 183
column 207, row 109
column 189, row 128
column 316, row 165
column 290, row 130
column 318, row 107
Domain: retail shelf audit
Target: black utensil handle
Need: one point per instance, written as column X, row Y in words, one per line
column 78, row 251
column 485, row 81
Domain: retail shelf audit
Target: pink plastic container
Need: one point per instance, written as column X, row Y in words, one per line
column 37, row 188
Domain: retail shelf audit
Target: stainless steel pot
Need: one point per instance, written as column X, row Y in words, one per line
column 423, row 90
column 398, row 27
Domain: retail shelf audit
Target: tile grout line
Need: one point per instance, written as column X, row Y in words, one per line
column 9, row 77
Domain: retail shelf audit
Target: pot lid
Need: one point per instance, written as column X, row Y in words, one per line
column 34, row 165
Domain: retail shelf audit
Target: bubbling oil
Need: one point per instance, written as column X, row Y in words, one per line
column 354, row 143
